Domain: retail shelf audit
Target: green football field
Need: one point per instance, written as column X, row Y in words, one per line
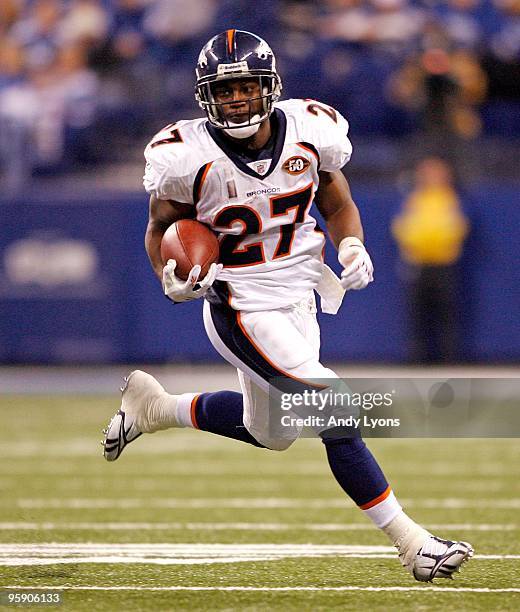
column 185, row 520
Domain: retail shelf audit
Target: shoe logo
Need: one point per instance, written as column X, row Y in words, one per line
column 296, row 165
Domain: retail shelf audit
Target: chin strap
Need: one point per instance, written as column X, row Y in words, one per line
column 244, row 130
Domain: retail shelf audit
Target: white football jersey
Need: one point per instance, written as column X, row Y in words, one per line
column 269, row 244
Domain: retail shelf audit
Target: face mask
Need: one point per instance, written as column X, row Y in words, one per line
column 244, row 130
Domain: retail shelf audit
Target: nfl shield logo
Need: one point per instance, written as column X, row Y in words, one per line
column 261, row 167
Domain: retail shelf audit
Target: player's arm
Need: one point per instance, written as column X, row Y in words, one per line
column 335, row 203
column 162, row 213
column 341, row 215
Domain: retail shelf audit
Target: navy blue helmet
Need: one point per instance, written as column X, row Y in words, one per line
column 236, row 54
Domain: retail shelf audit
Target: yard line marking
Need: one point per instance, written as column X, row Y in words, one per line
column 238, row 502
column 191, row 548
column 186, row 554
column 417, row 589
column 238, row 526
column 175, row 554
column 112, row 560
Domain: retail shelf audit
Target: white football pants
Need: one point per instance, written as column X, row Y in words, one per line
column 264, row 345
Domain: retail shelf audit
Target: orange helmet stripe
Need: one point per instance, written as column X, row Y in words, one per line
column 230, row 40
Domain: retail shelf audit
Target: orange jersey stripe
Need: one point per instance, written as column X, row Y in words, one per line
column 377, row 500
column 192, row 412
column 203, row 178
column 309, row 150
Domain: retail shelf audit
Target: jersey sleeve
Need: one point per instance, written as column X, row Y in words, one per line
column 167, row 176
column 329, row 131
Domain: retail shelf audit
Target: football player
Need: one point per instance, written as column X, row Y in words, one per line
column 250, row 170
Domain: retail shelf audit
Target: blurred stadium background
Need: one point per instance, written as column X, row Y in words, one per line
column 84, row 84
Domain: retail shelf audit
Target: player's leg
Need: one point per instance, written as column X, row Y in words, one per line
column 265, row 346
column 358, row 473
column 234, row 336
column 277, row 343
column 221, row 413
column 146, row 408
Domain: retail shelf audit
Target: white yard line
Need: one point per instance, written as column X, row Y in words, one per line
column 188, row 548
column 187, row 554
column 238, row 526
column 238, row 502
column 405, row 589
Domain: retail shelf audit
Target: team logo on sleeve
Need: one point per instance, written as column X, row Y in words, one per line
column 296, row 164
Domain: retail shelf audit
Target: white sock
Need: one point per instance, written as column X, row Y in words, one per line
column 407, row 536
column 382, row 509
column 165, row 411
column 186, row 410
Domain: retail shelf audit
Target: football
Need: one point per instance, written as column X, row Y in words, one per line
column 189, row 242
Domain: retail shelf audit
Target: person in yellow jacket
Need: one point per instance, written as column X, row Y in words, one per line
column 430, row 231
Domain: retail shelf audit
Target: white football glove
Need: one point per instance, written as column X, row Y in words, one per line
column 358, row 269
column 179, row 290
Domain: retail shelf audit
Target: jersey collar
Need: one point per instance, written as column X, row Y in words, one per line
column 224, row 144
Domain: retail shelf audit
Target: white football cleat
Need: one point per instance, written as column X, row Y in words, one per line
column 439, row 558
column 130, row 421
